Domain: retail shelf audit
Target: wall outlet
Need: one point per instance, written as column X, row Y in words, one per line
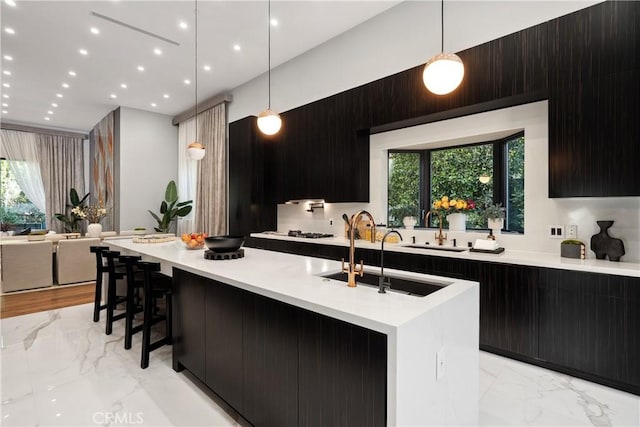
column 556, row 231
column 572, row 231
column 440, row 364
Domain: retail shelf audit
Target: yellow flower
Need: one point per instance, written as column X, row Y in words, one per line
column 445, row 199
column 437, row 204
column 445, row 205
column 459, row 204
column 452, row 203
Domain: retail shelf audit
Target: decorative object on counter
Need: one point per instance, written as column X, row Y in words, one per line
column 195, row 150
column 491, row 236
column 454, row 209
column 153, row 239
column 220, row 256
column 75, row 208
column 486, row 247
column 269, row 122
column 139, row 231
column 494, row 214
column 94, row 214
column 36, row 236
column 223, row 244
column 606, row 246
column 193, row 240
column 444, row 72
column 170, row 209
column 409, row 222
column 572, row 249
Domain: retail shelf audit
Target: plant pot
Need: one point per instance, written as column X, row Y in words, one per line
column 457, row 221
column 94, row 230
column 495, row 224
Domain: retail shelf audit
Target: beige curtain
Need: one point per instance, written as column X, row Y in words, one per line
column 211, row 196
column 62, row 168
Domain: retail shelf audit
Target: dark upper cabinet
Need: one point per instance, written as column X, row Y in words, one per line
column 594, row 88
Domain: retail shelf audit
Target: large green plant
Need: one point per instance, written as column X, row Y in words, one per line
column 71, row 220
column 171, row 209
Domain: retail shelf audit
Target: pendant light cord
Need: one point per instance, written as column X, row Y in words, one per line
column 195, row 68
column 269, row 53
column 442, row 26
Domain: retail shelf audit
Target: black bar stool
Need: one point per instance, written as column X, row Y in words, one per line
column 115, row 273
column 100, row 269
column 156, row 286
column 135, row 281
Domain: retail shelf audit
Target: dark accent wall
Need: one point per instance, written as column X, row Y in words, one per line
column 323, row 148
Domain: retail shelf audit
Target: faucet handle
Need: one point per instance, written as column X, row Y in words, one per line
column 359, row 269
column 344, row 269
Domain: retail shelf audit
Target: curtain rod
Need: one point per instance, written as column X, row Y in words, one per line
column 203, row 106
column 42, row 131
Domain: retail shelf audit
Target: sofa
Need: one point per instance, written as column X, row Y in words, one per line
column 74, row 261
column 26, row 265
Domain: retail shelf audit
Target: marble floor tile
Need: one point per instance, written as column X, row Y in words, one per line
column 58, row 368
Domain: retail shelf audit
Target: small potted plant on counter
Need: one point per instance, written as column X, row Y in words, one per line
column 171, row 209
column 572, row 249
column 494, row 214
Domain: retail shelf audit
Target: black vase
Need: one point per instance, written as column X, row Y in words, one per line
column 604, row 245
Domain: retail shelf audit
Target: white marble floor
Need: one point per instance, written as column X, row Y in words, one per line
column 60, row 369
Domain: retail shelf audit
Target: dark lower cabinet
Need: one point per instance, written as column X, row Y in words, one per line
column 223, row 341
column 509, row 308
column 342, row 376
column 270, row 359
column 591, row 323
column 189, row 343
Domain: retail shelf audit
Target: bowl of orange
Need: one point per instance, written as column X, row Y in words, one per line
column 193, row 240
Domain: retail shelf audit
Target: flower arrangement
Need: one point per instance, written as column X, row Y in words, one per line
column 94, row 213
column 494, row 212
column 453, row 205
column 72, row 221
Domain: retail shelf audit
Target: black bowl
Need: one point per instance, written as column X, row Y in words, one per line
column 224, row 243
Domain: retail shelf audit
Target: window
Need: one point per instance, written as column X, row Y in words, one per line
column 418, row 178
column 16, row 210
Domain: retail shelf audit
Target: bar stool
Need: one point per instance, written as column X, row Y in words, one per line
column 101, row 268
column 115, row 273
column 156, row 286
column 134, row 282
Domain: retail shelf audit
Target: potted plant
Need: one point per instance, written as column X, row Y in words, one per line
column 494, row 214
column 455, row 210
column 171, row 209
column 76, row 212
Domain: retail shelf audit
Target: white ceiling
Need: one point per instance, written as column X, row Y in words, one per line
column 49, row 34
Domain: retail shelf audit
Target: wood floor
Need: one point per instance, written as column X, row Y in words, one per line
column 17, row 304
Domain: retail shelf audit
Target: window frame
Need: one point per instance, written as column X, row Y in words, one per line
column 499, row 174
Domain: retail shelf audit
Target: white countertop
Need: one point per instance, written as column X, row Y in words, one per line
column 536, row 259
column 295, row 280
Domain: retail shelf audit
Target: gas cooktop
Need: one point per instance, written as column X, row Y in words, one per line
column 298, row 233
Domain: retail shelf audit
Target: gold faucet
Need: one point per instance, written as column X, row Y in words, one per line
column 352, row 269
column 439, row 236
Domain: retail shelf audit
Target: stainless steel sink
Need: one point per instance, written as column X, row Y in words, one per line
column 416, row 288
column 438, row 248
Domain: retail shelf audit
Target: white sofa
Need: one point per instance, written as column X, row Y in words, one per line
column 74, row 261
column 26, row 265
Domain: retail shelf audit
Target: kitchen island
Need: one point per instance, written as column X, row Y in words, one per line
column 339, row 354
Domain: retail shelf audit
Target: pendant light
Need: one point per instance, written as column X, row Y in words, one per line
column 196, row 149
column 444, row 72
column 269, row 122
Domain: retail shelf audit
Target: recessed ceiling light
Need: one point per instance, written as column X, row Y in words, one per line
column 72, row 73
column 166, row 96
column 5, row 96
column 54, row 105
column 183, row 25
column 9, row 30
column 157, row 51
column 83, row 51
column 187, row 81
column 140, row 68
column 94, row 30
column 4, row 104
column 5, row 112
column 153, row 104
column 113, row 96
column 6, row 85
column 207, row 68
column 59, row 95
column 236, row 47
column 8, row 57
column 49, row 112
column 274, row 22
column 6, row 72
column 123, row 85
column 10, row 3
column 65, row 85
column 47, row 118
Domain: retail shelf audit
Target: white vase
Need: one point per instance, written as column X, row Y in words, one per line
column 94, row 229
column 457, row 221
column 495, row 224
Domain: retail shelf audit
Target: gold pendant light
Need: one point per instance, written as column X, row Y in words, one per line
column 195, row 150
column 269, row 122
column 444, row 72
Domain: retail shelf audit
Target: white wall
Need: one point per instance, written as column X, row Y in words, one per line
column 540, row 211
column 403, row 37
column 148, row 161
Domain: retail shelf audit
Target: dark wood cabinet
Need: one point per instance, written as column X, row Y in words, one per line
column 509, row 308
column 270, row 362
column 189, row 341
column 223, row 341
column 591, row 323
column 594, row 87
column 342, row 376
